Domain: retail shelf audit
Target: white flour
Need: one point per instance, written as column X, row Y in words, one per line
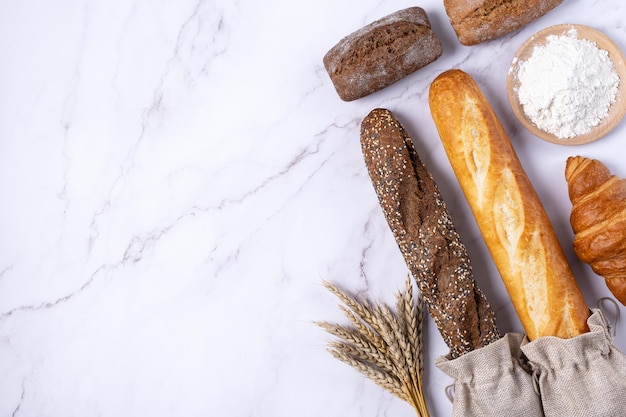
column 567, row 86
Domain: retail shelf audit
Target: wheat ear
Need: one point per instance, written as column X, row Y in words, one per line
column 386, row 381
column 383, row 345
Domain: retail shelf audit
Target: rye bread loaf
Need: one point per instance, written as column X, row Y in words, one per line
column 476, row 21
column 425, row 234
column 382, row 53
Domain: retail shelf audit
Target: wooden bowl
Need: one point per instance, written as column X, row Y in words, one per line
column 617, row 109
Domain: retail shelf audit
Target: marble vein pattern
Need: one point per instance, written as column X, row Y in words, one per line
column 178, row 177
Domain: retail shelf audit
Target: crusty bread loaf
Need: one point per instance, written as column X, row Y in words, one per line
column 425, row 234
column 476, row 21
column 511, row 218
column 382, row 53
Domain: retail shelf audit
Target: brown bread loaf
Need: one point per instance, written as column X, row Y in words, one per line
column 476, row 21
column 382, row 53
column 425, row 234
column 511, row 218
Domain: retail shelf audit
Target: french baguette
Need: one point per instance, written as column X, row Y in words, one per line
column 507, row 209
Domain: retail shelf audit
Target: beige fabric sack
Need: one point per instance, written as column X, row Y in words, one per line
column 582, row 376
column 493, row 381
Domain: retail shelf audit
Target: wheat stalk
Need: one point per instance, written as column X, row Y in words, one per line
column 365, row 330
column 387, row 381
column 362, row 308
column 359, row 344
column 384, row 345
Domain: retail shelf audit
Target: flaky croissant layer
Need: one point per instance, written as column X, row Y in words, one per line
column 598, row 220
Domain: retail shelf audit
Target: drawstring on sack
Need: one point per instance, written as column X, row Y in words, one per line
column 535, row 373
column 536, row 382
column 612, row 328
column 449, row 390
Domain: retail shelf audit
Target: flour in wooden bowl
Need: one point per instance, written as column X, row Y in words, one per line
column 567, row 86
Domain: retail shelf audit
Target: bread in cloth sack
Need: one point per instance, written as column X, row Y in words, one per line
column 507, row 209
column 493, row 381
column 580, row 377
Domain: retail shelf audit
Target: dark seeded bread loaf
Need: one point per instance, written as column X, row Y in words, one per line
column 425, row 234
column 476, row 21
column 382, row 53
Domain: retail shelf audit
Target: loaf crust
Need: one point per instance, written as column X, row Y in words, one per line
column 382, row 53
column 507, row 209
column 425, row 234
column 476, row 21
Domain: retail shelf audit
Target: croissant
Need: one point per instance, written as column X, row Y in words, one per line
column 598, row 220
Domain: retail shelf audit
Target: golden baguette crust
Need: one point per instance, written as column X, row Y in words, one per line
column 507, row 209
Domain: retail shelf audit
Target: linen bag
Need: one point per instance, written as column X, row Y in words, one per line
column 582, row 376
column 493, row 381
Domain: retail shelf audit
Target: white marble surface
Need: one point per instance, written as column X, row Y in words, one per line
column 178, row 177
